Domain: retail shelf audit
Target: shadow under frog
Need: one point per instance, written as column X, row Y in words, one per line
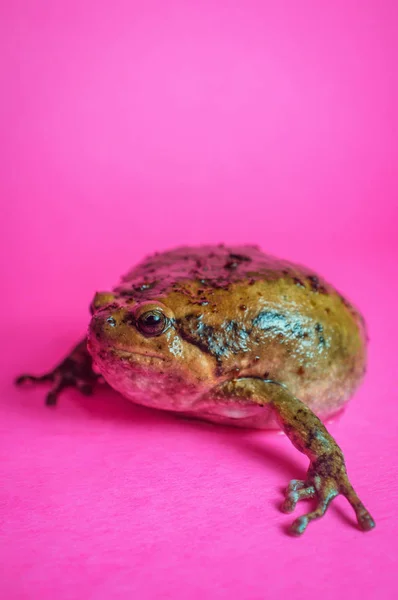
column 232, row 336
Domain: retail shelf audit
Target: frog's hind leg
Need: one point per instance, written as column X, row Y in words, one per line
column 74, row 371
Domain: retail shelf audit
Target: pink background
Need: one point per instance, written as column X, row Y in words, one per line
column 129, row 127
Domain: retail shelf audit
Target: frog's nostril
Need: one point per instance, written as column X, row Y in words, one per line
column 111, row 321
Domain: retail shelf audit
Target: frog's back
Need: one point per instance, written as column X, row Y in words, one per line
column 211, row 266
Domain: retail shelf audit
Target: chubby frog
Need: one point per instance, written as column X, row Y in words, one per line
column 233, row 336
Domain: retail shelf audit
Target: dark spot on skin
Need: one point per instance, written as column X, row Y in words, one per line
column 231, row 265
column 242, row 307
column 319, row 329
column 297, row 330
column 266, row 375
column 288, row 428
column 328, row 465
column 193, row 339
column 300, row 371
column 311, row 436
column 345, row 302
column 107, row 307
column 316, row 285
column 298, row 417
column 240, row 257
column 298, row 282
column 219, row 368
column 327, row 310
column 285, row 272
column 129, row 319
column 314, row 282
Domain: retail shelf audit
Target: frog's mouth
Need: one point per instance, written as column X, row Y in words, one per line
column 115, row 352
column 120, row 352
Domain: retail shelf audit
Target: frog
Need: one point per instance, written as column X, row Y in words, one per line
column 234, row 336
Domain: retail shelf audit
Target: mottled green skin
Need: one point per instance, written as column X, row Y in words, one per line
column 244, row 338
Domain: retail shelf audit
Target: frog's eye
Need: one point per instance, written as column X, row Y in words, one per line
column 151, row 323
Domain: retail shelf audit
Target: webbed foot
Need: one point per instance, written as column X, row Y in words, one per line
column 326, row 479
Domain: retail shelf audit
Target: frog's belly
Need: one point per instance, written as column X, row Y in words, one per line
column 253, row 417
column 192, row 402
column 229, row 413
column 189, row 402
column 257, row 417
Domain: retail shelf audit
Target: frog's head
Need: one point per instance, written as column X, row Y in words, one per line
column 138, row 349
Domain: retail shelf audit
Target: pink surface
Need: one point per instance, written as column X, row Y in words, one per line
column 130, row 127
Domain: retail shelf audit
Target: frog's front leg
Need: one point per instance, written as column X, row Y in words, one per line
column 74, row 371
column 327, row 475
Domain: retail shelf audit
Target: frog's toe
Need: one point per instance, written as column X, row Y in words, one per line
column 59, row 383
column 364, row 518
column 295, row 484
column 300, row 525
column 295, row 495
column 366, row 521
column 27, row 378
column 51, row 398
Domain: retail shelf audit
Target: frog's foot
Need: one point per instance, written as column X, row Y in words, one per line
column 327, row 478
column 75, row 371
